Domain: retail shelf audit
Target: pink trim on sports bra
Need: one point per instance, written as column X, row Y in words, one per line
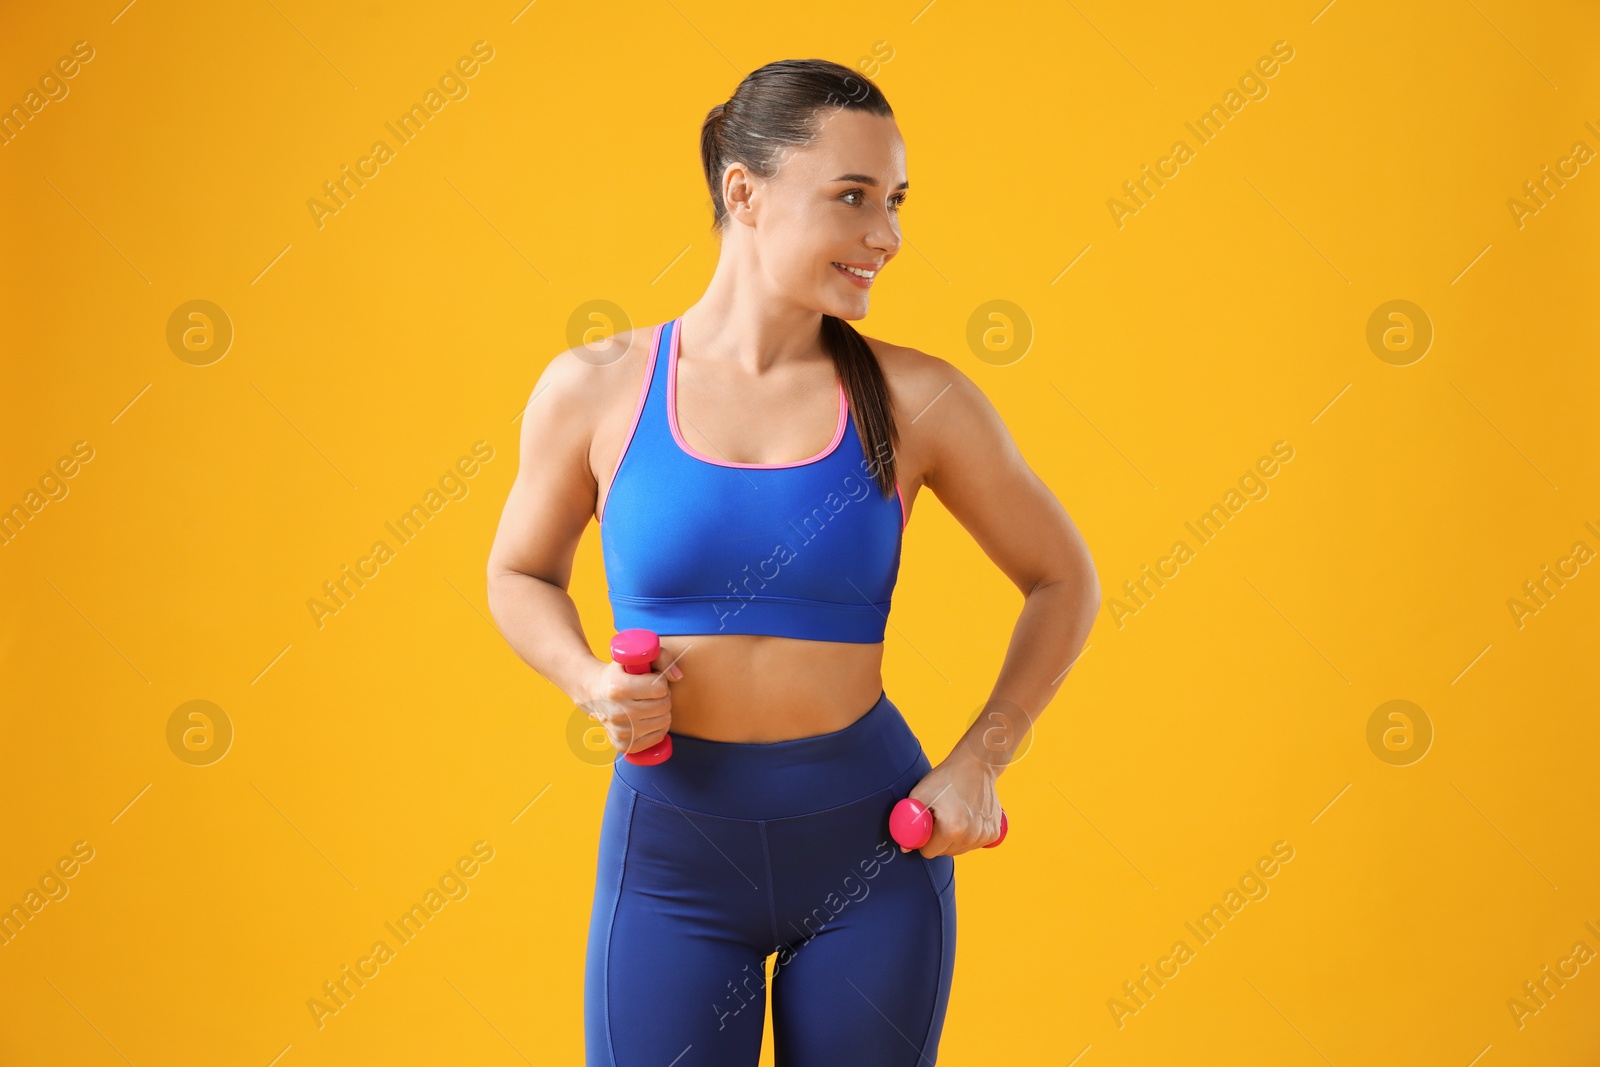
column 633, row 427
column 672, row 419
column 644, row 395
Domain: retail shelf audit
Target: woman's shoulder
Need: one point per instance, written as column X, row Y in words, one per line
column 939, row 411
column 586, row 389
column 589, row 373
column 916, row 378
column 933, row 401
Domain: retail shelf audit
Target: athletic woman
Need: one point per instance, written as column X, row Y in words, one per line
column 752, row 463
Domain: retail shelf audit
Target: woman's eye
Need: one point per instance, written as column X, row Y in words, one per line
column 895, row 202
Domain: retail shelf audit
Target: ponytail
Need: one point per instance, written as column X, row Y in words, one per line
column 868, row 394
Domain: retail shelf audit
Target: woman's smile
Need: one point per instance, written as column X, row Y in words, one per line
column 859, row 275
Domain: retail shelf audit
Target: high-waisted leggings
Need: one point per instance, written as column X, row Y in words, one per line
column 727, row 853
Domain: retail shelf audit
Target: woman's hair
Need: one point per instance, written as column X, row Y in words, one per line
column 776, row 109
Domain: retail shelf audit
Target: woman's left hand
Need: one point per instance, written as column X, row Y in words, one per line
column 961, row 793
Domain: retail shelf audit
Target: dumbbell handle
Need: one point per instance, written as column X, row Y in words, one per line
column 636, row 650
column 911, row 824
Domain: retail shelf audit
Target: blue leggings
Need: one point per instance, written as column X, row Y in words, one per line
column 726, row 853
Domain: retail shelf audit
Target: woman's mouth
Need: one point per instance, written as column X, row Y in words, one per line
column 859, row 276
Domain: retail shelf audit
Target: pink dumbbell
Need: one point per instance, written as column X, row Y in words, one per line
column 636, row 650
column 911, row 824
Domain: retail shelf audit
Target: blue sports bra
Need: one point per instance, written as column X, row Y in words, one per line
column 695, row 545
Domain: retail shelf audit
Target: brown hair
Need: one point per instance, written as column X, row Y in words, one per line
column 776, row 107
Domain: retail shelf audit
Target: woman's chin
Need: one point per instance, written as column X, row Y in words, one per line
column 848, row 309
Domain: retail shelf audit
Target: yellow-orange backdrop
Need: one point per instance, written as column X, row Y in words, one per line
column 182, row 506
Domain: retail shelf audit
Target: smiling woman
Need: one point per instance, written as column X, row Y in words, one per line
column 725, row 453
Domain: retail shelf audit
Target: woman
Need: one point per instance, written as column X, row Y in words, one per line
column 752, row 464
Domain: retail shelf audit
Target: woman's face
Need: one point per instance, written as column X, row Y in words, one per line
column 833, row 202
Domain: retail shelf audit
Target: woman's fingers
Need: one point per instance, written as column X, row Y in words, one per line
column 955, row 832
column 633, row 725
column 648, row 728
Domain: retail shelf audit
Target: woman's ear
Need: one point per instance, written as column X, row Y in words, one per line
column 740, row 190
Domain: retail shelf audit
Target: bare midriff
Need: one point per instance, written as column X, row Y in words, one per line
column 751, row 689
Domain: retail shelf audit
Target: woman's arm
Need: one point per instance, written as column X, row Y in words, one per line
column 532, row 560
column 530, row 563
column 549, row 507
column 978, row 474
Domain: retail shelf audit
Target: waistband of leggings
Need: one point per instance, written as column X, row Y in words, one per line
column 781, row 779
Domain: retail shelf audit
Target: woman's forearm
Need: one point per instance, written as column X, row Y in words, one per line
column 1049, row 634
column 540, row 622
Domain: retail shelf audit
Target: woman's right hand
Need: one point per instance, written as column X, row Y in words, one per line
column 634, row 709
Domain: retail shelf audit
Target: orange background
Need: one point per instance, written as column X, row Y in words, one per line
column 371, row 352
